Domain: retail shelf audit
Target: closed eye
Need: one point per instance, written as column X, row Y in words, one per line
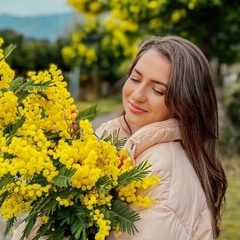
column 158, row 92
column 134, row 79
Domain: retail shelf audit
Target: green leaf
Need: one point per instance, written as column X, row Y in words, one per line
column 5, row 179
column 8, row 50
column 16, row 83
column 137, row 173
column 45, row 206
column 39, row 179
column 125, row 216
column 89, row 113
column 44, row 229
column 29, row 226
column 52, row 135
column 44, row 95
column 104, row 184
column 3, row 196
column 114, row 139
column 27, row 86
column 103, row 136
column 63, row 179
column 12, row 129
column 64, row 215
column 82, row 212
column 9, row 225
column 49, row 207
column 79, row 228
column 40, row 87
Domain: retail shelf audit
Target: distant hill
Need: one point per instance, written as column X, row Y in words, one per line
column 40, row 27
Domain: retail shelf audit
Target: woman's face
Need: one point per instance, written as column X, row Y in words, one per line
column 144, row 91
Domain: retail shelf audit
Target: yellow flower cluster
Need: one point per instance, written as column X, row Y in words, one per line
column 78, row 51
column 87, row 6
column 104, row 225
column 49, row 156
column 66, row 202
column 26, row 153
column 130, row 192
column 21, row 197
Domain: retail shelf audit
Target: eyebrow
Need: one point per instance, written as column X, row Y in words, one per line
column 152, row 80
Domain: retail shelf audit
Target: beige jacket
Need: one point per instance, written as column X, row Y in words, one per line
column 180, row 210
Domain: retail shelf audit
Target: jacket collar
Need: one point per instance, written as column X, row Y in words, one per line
column 149, row 135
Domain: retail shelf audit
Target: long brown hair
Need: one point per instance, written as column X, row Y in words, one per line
column 191, row 95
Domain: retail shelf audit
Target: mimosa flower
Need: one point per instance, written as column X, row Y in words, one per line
column 53, row 166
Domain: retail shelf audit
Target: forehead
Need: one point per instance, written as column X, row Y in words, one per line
column 153, row 58
column 153, row 66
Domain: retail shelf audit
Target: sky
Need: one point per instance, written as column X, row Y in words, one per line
column 33, row 7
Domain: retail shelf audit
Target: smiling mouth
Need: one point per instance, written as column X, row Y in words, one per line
column 136, row 109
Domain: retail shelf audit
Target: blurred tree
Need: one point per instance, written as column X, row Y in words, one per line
column 17, row 62
column 232, row 102
column 31, row 54
column 101, row 46
column 210, row 24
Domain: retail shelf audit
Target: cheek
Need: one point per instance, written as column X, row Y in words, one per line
column 126, row 91
column 160, row 110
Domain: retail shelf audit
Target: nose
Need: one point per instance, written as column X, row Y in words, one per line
column 138, row 94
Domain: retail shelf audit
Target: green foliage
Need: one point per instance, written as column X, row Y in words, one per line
column 63, row 179
column 117, row 27
column 8, row 50
column 7, row 178
column 89, row 113
column 104, row 184
column 22, row 88
column 114, row 139
column 104, row 105
column 12, row 128
column 77, row 216
column 9, row 225
column 33, row 54
column 137, row 173
column 125, row 216
column 177, row 17
column 231, row 215
column 232, row 104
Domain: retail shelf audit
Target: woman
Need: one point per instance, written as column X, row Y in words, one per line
column 171, row 120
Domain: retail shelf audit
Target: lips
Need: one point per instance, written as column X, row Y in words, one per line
column 136, row 109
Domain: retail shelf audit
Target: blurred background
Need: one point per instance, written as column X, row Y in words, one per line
column 93, row 42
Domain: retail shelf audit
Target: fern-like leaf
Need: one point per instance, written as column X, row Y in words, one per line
column 79, row 228
column 58, row 234
column 114, row 139
column 3, row 197
column 39, row 179
column 63, row 179
column 48, row 208
column 38, row 87
column 89, row 113
column 44, row 228
column 64, row 215
column 104, row 184
column 8, row 50
column 29, row 226
column 137, row 173
column 9, row 225
column 27, row 86
column 16, row 84
column 125, row 216
column 5, row 179
column 12, row 129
